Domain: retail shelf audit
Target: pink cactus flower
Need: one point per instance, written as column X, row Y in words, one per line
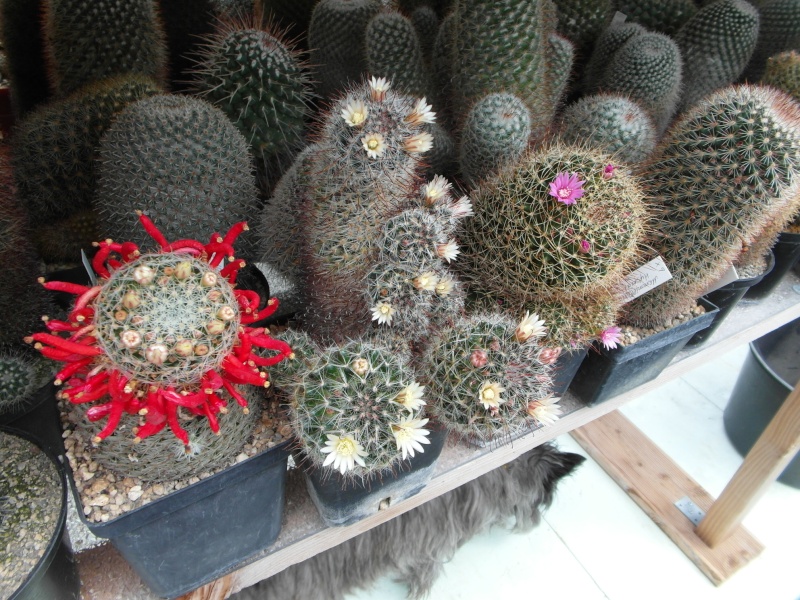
column 566, row 188
column 585, row 246
column 549, row 355
column 610, row 337
column 608, row 172
column 479, row 358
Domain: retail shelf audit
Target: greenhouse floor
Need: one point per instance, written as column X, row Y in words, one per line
column 595, row 542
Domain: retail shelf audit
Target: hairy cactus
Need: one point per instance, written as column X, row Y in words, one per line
column 647, row 68
column 336, row 38
column 711, row 191
column 87, row 42
column 613, row 124
column 358, row 409
column 21, row 374
column 495, row 134
column 22, row 39
column 779, row 30
column 664, row 16
column 716, row 44
column 783, row 72
column 55, row 146
column 561, row 58
column 582, row 21
column 181, row 161
column 259, row 82
column 393, row 51
column 488, row 379
column 609, row 41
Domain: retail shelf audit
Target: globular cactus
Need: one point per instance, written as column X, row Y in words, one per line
column 88, row 42
column 783, row 72
column 664, row 16
column 613, row 124
column 779, row 31
column 442, row 66
column 259, row 82
column 182, row 162
column 488, row 380
column 711, row 191
column 607, row 43
column 21, row 374
column 394, row 51
column 336, row 38
column 647, row 68
column 716, row 44
column 426, row 24
column 55, row 146
column 561, row 54
column 60, row 242
column 495, row 134
column 358, row 409
column 582, row 21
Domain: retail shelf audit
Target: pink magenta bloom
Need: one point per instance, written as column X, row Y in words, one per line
column 566, row 188
column 608, row 172
column 610, row 337
column 585, row 246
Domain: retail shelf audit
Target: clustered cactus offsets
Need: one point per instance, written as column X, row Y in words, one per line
column 22, row 372
column 161, row 336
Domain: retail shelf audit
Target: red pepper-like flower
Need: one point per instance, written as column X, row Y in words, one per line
column 160, row 333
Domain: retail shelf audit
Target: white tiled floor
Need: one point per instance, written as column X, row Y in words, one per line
column 595, row 542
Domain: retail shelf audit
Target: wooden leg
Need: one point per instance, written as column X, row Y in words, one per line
column 762, row 465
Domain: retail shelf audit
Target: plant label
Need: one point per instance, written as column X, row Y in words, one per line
column 645, row 278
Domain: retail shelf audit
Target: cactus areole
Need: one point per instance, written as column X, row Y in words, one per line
column 161, row 333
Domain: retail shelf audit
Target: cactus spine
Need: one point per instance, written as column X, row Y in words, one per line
column 21, row 374
column 783, row 72
column 779, row 31
column 608, row 42
column 664, row 16
column 393, row 51
column 582, row 21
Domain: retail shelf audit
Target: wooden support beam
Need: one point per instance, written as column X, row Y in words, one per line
column 655, row 483
column 761, row 467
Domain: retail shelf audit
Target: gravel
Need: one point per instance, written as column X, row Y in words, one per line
column 630, row 335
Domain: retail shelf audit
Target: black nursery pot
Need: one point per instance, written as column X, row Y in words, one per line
column 55, row 576
column 565, row 368
column 342, row 501
column 39, row 417
column 786, row 252
column 726, row 298
column 203, row 531
column 608, row 373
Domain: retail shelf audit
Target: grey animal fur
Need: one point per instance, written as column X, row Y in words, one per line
column 415, row 545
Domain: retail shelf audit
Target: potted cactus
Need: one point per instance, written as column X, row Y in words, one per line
column 159, row 350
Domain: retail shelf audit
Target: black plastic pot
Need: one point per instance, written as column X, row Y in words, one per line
column 787, row 252
column 341, row 501
column 565, row 368
column 203, row 531
column 39, row 417
column 55, row 576
column 608, row 373
column 726, row 298
column 769, row 374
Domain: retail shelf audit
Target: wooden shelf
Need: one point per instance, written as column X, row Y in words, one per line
column 105, row 574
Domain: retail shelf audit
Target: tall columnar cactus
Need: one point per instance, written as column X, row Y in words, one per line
column 87, row 42
column 783, row 72
column 664, row 16
column 336, row 38
column 358, row 408
column 488, row 380
column 55, row 146
column 182, row 162
column 426, row 24
column 613, row 124
column 779, row 31
column 712, row 191
column 562, row 59
column 582, row 21
column 22, row 372
column 647, row 68
column 23, row 42
column 608, row 42
column 442, row 66
column 716, row 44
column 260, row 82
column 494, row 134
column 394, row 51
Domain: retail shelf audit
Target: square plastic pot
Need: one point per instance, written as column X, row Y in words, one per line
column 39, row 417
column 201, row 532
column 565, row 369
column 786, row 252
column 342, row 501
column 608, row 373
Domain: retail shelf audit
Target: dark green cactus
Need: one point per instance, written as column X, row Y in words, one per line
column 90, row 41
column 336, row 38
column 561, row 54
column 779, row 30
column 185, row 25
column 22, row 373
column 260, row 82
column 181, row 161
column 607, row 44
column 664, row 16
column 612, row 124
column 582, row 21
column 495, row 134
column 716, row 44
column 712, row 194
column 55, row 146
column 292, row 15
column 442, row 66
column 60, row 241
column 393, row 51
column 426, row 24
column 783, row 72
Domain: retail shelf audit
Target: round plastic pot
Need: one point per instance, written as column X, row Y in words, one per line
column 608, row 373
column 565, row 368
column 341, row 501
column 203, row 531
column 726, row 298
column 787, row 252
column 55, row 576
column 39, row 417
column 769, row 374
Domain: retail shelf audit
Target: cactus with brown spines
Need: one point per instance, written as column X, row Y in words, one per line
column 716, row 179
column 783, row 72
column 779, row 31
